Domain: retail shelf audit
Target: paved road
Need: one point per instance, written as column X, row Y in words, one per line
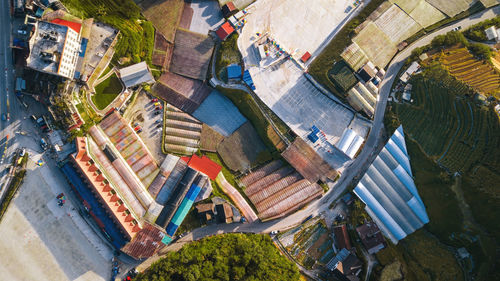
column 7, row 97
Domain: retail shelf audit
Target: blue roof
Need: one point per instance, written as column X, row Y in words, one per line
column 183, row 209
column 247, row 78
column 234, row 71
column 117, row 237
column 389, row 192
column 83, row 47
column 313, row 137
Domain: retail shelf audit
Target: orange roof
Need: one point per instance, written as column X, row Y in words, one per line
column 205, row 165
column 305, row 57
column 73, row 25
column 225, row 30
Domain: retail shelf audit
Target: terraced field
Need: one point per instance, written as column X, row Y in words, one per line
column 447, row 124
column 478, row 74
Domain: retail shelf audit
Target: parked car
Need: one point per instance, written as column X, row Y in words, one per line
column 137, row 128
column 154, row 100
column 157, row 112
column 158, row 121
column 21, row 32
column 139, row 131
column 43, row 144
column 4, row 117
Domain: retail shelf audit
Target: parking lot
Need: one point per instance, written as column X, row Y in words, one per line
column 42, row 241
column 143, row 115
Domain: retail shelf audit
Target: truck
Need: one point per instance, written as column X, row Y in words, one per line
column 43, row 144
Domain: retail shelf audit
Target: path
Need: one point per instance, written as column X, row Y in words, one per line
column 235, row 195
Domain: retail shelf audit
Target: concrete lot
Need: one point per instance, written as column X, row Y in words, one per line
column 42, row 241
column 283, row 86
column 143, row 112
column 297, row 25
column 206, row 15
column 100, row 38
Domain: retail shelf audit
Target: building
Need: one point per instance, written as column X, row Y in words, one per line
column 305, row 57
column 138, row 205
column 136, row 74
column 371, row 237
column 206, row 212
column 346, row 263
column 229, row 9
column 388, row 190
column 350, row 143
column 224, row 31
column 54, row 48
column 491, row 33
column 224, row 213
column 367, row 72
column 413, row 68
column 342, row 237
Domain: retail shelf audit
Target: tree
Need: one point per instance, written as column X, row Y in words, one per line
column 225, row 257
column 480, row 51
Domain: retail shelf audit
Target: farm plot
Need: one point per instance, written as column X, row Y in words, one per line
column 449, row 127
column 165, row 15
column 312, row 242
column 478, row 74
column 162, row 52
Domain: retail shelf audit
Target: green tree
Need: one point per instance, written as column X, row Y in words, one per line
column 225, row 257
column 480, row 50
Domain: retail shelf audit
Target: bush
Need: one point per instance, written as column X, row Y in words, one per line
column 449, row 39
column 480, row 51
column 476, row 32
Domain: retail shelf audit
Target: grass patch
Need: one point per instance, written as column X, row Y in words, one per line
column 164, row 15
column 107, row 91
column 12, row 190
column 137, row 35
column 228, row 53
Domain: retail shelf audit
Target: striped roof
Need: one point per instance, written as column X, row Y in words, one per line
column 388, row 190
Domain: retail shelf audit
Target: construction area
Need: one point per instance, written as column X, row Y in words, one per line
column 277, row 189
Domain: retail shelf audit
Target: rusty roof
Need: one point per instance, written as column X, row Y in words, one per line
column 307, row 162
column 146, row 243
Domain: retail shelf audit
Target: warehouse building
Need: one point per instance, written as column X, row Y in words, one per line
column 112, row 171
column 350, row 143
column 277, row 189
column 388, row 190
column 136, row 74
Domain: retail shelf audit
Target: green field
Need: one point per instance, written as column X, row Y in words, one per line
column 227, row 54
column 446, row 123
column 136, row 41
column 107, row 91
column 457, row 134
column 342, row 76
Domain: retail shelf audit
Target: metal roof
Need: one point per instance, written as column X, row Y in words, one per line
column 389, row 192
column 136, row 74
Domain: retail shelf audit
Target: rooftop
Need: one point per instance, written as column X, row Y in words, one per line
column 136, row 74
column 388, row 190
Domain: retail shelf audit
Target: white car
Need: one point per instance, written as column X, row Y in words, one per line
column 22, row 32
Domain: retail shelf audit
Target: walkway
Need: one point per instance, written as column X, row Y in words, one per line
column 235, row 195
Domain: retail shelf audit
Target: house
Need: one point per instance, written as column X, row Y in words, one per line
column 206, row 212
column 342, row 237
column 136, row 74
column 224, row 213
column 371, row 237
column 351, row 266
column 367, row 72
column 491, row 33
column 224, row 31
column 229, row 9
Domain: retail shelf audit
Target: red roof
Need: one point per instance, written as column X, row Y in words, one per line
column 73, row 25
column 305, row 57
column 225, row 30
column 205, row 165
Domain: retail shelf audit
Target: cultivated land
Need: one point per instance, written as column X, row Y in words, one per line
column 461, row 136
column 164, row 15
column 478, row 74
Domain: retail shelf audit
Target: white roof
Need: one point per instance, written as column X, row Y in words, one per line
column 136, row 74
column 388, row 190
column 491, row 33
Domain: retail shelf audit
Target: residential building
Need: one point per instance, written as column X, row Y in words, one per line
column 54, row 47
column 371, row 237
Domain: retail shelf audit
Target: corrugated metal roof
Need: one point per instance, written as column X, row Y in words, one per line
column 136, row 74
column 389, row 192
